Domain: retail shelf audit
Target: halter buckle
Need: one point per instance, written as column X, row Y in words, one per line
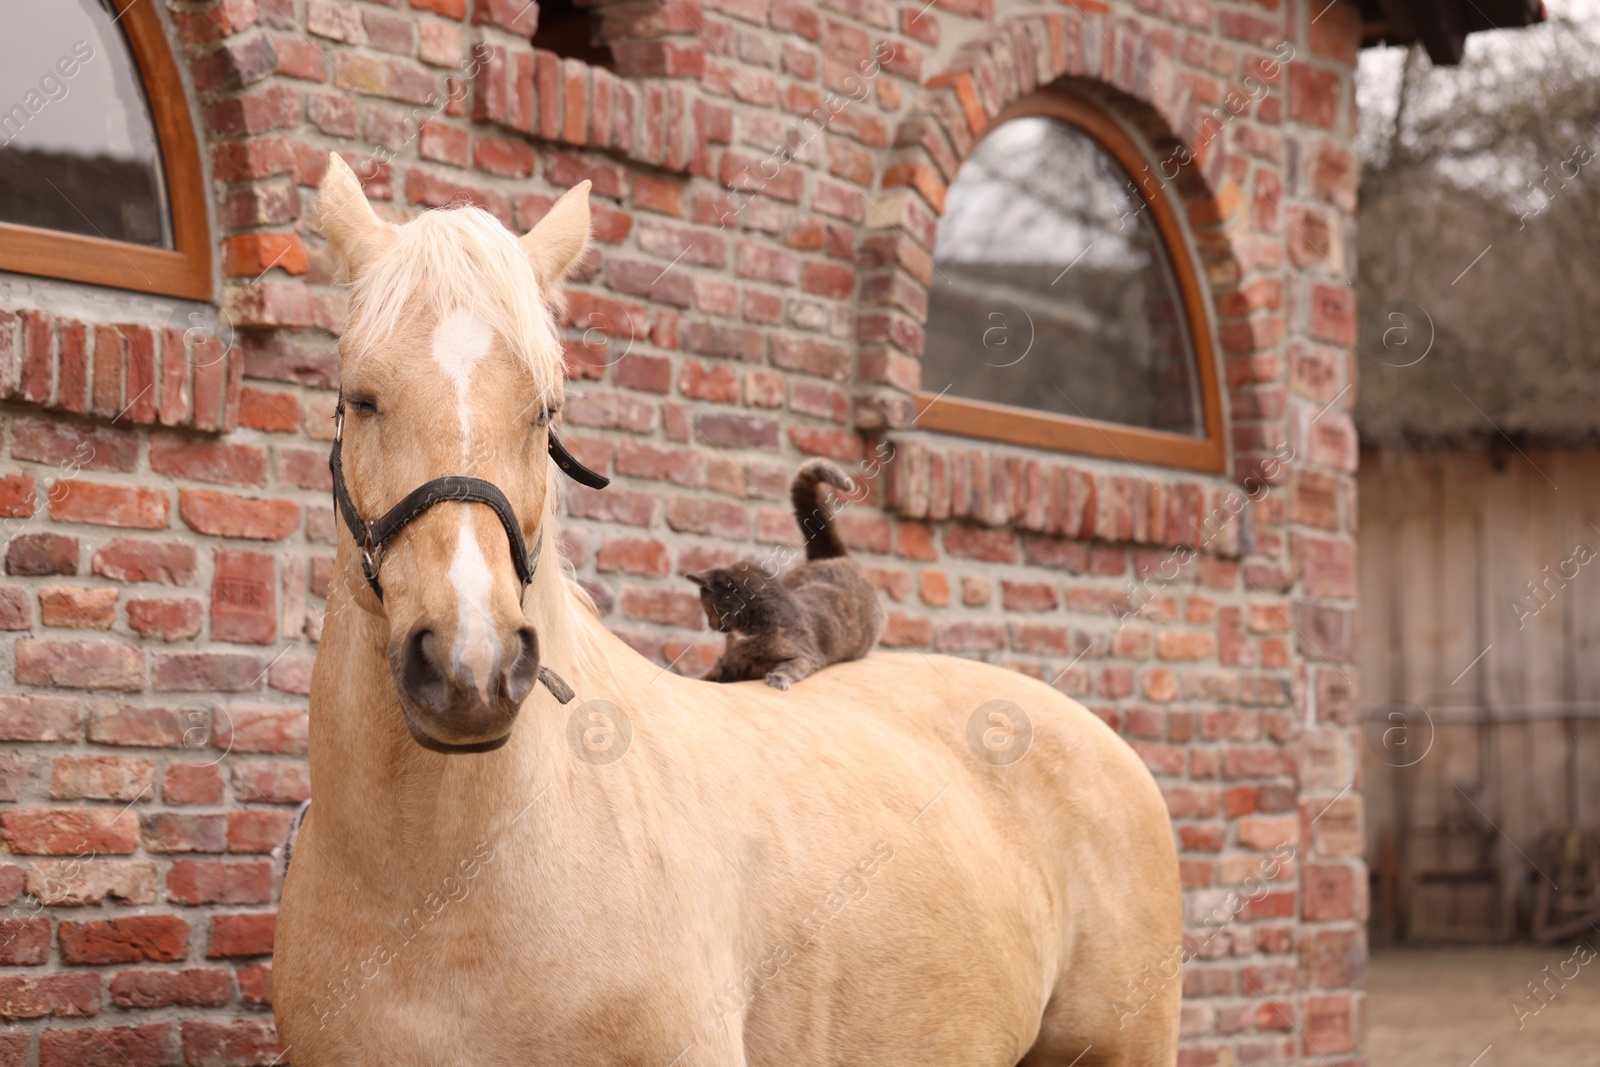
column 371, row 556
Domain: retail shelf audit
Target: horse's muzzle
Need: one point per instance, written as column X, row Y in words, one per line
column 446, row 708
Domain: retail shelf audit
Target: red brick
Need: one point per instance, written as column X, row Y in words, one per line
column 95, row 777
column 658, row 193
column 203, row 671
column 74, row 446
column 243, row 600
column 234, row 1044
column 655, row 281
column 45, row 553
column 79, row 664
column 261, row 781
column 1313, row 95
column 220, row 882
column 170, row 620
column 255, row 985
column 241, row 935
column 16, row 612
column 38, row 335
column 634, row 556
column 257, row 831
column 184, row 783
column 1029, row 596
column 425, row 189
column 506, row 158
column 78, row 882
column 39, row 718
column 24, row 942
column 262, row 730
column 112, row 1046
column 970, row 636
column 269, row 412
column 716, row 383
column 1327, row 566
column 753, row 260
column 251, row 255
column 914, row 540
column 173, row 832
column 162, row 938
column 128, row 560
column 821, row 358
column 72, row 373
column 738, row 431
column 225, row 515
column 110, row 505
column 976, row 542
column 208, row 461
column 668, row 607
column 1185, row 645
column 828, row 279
column 73, row 608
column 60, row 995
column 450, row 9
column 16, row 496
column 193, row 987
column 69, row 831
column 124, row 724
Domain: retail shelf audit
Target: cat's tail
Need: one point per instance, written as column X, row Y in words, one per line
column 810, row 511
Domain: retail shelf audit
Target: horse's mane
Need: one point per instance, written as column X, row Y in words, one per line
column 460, row 258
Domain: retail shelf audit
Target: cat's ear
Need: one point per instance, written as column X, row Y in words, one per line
column 697, row 579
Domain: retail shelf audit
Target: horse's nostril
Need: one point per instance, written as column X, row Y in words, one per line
column 524, row 670
column 425, row 683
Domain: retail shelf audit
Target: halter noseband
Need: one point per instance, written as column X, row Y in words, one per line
column 371, row 535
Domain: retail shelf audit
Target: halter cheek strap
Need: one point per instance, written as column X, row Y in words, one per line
column 371, row 535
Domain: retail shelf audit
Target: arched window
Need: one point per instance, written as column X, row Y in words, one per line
column 1065, row 310
column 100, row 176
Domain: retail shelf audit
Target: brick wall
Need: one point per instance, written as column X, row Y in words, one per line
column 164, row 489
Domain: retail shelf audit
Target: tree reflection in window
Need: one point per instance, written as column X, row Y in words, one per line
column 1053, row 289
column 78, row 149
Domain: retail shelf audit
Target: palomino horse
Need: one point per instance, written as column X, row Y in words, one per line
column 904, row 860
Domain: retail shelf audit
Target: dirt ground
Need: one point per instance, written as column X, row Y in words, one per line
column 1452, row 1007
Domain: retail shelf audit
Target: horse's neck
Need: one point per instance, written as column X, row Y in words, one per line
column 381, row 801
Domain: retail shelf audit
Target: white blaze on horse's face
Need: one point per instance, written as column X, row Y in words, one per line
column 460, row 342
column 450, row 361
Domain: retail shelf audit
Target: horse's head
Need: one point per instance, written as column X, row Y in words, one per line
column 451, row 367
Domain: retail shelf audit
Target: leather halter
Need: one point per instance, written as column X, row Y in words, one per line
column 372, row 534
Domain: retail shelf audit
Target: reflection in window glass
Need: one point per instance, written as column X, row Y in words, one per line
column 1053, row 290
column 78, row 148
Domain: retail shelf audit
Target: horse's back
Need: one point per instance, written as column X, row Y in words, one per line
column 972, row 837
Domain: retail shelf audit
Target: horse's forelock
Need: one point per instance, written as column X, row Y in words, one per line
column 459, row 258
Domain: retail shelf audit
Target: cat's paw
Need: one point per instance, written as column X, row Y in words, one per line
column 779, row 680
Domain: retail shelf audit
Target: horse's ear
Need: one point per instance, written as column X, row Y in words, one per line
column 697, row 579
column 352, row 228
column 557, row 241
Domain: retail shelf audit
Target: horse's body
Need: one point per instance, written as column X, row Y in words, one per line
column 827, row 876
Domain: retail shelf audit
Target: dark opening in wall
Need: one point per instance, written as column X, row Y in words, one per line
column 573, row 32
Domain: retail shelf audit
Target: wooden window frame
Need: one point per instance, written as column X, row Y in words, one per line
column 1064, row 433
column 183, row 270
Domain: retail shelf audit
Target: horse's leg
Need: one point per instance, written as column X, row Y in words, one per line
column 1084, row 1027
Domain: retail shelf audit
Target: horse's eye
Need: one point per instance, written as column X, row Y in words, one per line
column 363, row 406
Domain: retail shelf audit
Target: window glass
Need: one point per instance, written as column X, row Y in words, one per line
column 1053, row 289
column 78, row 150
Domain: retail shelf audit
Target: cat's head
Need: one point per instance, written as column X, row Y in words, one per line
column 727, row 593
